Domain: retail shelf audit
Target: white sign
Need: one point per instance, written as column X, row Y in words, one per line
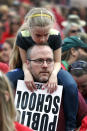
column 39, row 110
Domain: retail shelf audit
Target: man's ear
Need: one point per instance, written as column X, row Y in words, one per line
column 28, row 64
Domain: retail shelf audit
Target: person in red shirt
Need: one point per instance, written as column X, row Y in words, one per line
column 84, row 124
column 20, row 127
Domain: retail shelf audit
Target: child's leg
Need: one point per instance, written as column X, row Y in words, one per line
column 70, row 96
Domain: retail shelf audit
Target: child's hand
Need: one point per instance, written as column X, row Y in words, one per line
column 30, row 82
column 52, row 83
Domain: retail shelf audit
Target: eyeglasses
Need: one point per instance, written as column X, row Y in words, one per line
column 41, row 61
column 78, row 65
column 75, row 31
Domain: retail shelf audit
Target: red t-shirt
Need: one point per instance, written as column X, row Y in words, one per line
column 20, row 127
column 84, row 124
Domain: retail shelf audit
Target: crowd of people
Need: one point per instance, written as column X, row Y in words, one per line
column 46, row 43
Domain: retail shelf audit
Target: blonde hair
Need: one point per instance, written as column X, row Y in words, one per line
column 7, row 108
column 15, row 59
column 37, row 17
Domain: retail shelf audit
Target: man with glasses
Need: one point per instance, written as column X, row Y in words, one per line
column 40, row 62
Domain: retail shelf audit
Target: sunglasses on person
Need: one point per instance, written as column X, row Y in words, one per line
column 75, row 31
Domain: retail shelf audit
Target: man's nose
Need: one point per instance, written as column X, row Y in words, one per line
column 45, row 64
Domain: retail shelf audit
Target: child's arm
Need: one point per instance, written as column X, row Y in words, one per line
column 52, row 83
column 57, row 60
column 27, row 75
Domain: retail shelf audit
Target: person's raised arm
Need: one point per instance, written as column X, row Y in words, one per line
column 57, row 61
column 27, row 75
column 52, row 83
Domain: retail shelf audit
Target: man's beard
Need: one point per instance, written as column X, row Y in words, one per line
column 36, row 80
